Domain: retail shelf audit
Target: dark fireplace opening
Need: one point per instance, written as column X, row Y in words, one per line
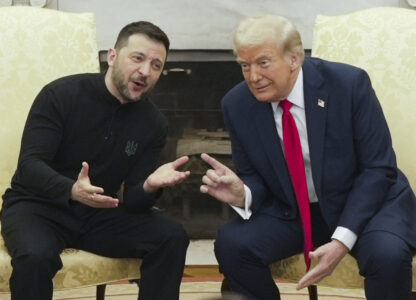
column 189, row 93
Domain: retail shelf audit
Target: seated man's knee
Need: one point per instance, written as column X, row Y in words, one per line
column 230, row 247
column 177, row 235
column 386, row 254
column 36, row 261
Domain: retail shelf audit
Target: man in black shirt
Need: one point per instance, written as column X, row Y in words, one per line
column 87, row 178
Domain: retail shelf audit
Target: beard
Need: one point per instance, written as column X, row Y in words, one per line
column 122, row 87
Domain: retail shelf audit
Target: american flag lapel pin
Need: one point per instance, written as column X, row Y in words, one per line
column 321, row 103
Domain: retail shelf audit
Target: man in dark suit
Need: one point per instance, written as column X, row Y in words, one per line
column 357, row 200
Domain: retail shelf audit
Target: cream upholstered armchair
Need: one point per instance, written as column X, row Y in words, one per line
column 383, row 42
column 37, row 46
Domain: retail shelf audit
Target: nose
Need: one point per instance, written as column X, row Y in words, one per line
column 144, row 69
column 254, row 74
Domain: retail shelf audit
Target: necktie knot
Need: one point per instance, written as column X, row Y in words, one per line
column 285, row 105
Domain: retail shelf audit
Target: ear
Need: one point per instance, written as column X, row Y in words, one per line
column 295, row 61
column 111, row 56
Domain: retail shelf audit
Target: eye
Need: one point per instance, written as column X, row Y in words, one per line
column 245, row 67
column 137, row 58
column 264, row 62
column 157, row 66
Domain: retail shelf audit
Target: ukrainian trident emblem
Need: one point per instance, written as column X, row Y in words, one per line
column 131, row 148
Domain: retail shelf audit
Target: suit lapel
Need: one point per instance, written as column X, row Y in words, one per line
column 316, row 107
column 269, row 139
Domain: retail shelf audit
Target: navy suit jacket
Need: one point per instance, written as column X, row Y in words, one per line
column 353, row 163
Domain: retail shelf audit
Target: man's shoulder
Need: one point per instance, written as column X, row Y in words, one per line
column 71, row 81
column 331, row 67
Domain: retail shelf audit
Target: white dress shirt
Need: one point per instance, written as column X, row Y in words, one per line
column 344, row 235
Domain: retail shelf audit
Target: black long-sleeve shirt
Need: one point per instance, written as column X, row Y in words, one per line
column 76, row 119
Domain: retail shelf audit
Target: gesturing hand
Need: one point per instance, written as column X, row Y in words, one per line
column 328, row 255
column 84, row 192
column 222, row 183
column 166, row 175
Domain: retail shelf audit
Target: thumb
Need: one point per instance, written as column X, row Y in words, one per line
column 180, row 161
column 316, row 254
column 313, row 255
column 84, row 171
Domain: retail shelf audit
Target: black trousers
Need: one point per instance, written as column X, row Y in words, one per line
column 245, row 249
column 35, row 234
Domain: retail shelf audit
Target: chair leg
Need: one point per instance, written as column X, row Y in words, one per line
column 313, row 292
column 100, row 291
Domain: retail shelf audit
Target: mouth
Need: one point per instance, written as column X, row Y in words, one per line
column 139, row 84
column 261, row 88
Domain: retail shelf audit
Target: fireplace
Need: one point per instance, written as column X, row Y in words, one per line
column 189, row 93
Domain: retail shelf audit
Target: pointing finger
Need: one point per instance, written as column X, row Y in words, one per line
column 212, row 162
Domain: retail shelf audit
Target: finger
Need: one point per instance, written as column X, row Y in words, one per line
column 175, row 179
column 313, row 276
column 94, row 190
column 103, row 201
column 84, row 170
column 227, row 180
column 308, row 279
column 210, row 191
column 203, row 189
column 180, row 161
column 208, row 181
column 212, row 162
column 211, row 174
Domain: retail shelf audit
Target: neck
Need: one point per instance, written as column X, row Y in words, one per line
column 111, row 87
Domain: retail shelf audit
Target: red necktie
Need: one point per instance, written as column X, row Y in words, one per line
column 294, row 161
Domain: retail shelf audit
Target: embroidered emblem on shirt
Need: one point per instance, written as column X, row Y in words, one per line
column 131, row 148
column 321, row 103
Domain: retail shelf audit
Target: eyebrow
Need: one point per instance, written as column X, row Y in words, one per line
column 144, row 55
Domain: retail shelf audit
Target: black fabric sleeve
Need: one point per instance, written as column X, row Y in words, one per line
column 40, row 141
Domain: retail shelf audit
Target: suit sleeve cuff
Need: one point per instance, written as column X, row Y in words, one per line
column 245, row 212
column 345, row 236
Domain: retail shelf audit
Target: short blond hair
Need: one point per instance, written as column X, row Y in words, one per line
column 254, row 31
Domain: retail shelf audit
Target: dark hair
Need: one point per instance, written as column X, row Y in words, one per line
column 141, row 27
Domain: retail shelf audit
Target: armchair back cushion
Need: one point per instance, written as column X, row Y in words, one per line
column 37, row 46
column 381, row 41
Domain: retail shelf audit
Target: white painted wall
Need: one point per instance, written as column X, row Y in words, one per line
column 207, row 24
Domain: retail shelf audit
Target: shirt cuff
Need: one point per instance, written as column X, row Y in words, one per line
column 245, row 212
column 345, row 236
